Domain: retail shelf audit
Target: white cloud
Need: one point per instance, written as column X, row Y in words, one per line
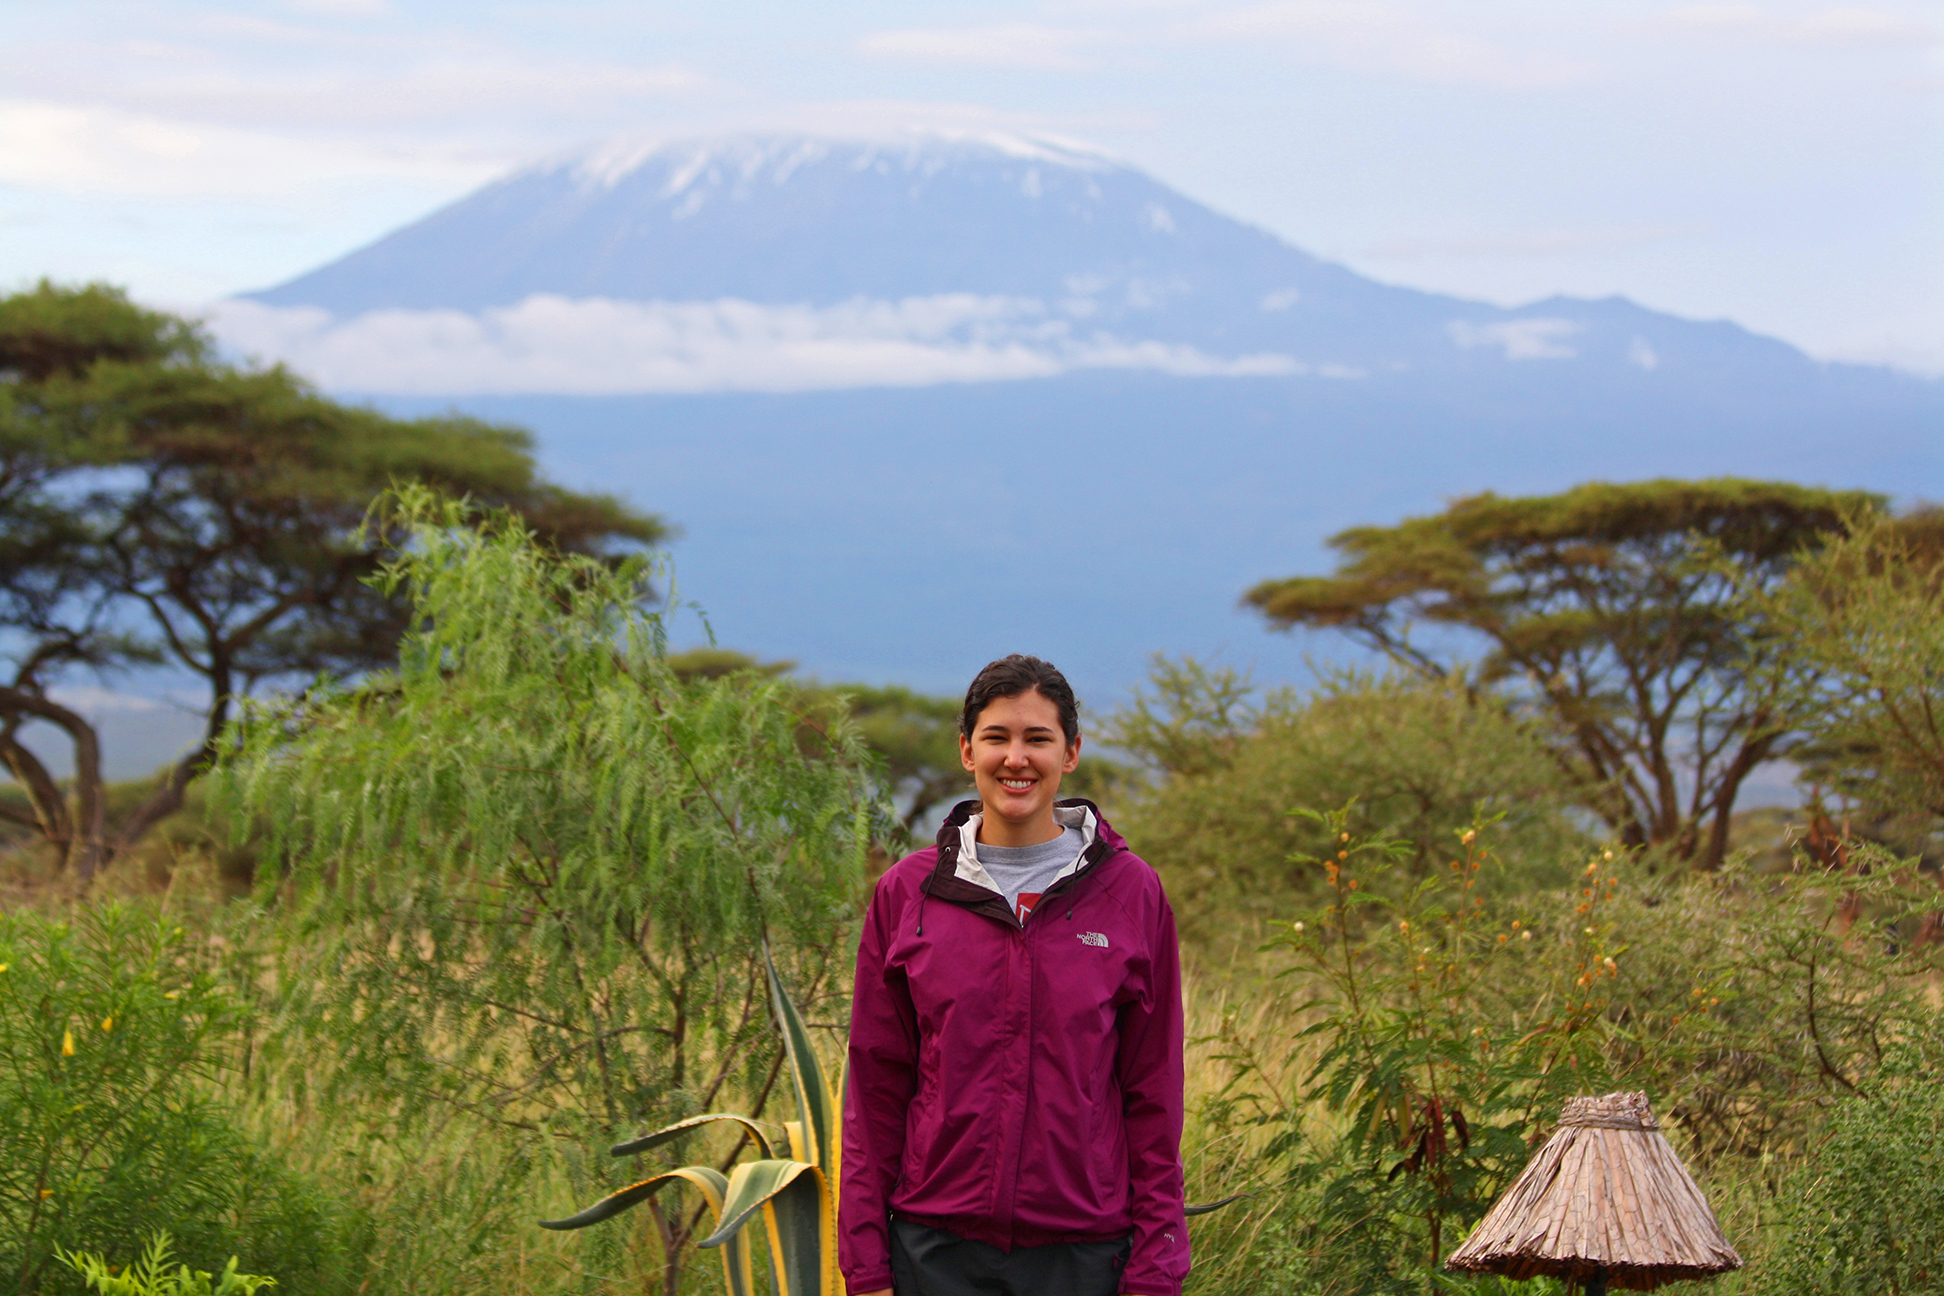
column 1521, row 339
column 96, row 151
column 596, row 346
column 1837, row 27
column 464, row 89
column 344, row 8
column 1024, row 46
column 1390, row 38
column 1640, row 353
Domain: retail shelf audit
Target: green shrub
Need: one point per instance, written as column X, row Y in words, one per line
column 154, row 1276
column 111, row 1036
column 1864, row 1212
column 1727, row 997
column 1418, row 757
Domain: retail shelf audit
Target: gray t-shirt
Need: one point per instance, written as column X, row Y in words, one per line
column 1023, row 873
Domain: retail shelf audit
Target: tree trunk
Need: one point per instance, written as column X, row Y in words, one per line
column 168, row 798
column 79, row 835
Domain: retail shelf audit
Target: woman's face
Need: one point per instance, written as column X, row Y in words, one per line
column 1016, row 755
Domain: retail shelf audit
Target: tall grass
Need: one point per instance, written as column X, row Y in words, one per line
column 439, row 1200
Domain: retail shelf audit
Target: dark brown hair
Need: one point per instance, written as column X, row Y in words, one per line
column 1012, row 676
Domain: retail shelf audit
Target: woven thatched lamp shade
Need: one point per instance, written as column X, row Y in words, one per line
column 1605, row 1201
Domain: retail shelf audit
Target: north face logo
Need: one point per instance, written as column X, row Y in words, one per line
column 1097, row 939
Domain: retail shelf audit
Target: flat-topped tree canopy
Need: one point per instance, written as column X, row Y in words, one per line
column 1607, row 1200
column 1615, row 609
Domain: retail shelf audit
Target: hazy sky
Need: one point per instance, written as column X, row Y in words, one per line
column 1779, row 162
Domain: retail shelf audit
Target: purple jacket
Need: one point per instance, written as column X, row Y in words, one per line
column 1017, row 1084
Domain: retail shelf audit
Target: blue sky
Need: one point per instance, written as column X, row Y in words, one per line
column 1778, row 162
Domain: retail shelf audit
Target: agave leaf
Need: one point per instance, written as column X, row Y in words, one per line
column 802, row 1238
column 750, row 1185
column 834, row 1168
column 819, row 1113
column 679, row 1128
column 738, row 1270
column 794, row 1130
column 1206, row 1207
column 612, row 1204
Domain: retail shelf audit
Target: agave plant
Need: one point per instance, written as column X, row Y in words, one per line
column 796, row 1193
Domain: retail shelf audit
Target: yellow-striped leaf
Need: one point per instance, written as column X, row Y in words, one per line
column 750, row 1185
column 803, row 1245
column 819, row 1113
column 738, row 1268
column 679, row 1128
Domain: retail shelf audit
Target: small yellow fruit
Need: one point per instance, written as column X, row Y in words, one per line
column 67, row 1043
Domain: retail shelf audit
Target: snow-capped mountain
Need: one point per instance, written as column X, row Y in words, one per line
column 780, row 262
column 876, row 381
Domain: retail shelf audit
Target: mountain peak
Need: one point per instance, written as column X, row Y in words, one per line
column 814, row 220
column 751, row 157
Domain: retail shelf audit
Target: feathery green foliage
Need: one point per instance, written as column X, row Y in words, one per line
column 152, row 1275
column 540, row 864
column 113, row 1035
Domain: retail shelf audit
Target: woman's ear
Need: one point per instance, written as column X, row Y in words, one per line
column 1072, row 761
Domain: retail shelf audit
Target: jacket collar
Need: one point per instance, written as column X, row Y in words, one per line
column 972, row 868
column 952, row 876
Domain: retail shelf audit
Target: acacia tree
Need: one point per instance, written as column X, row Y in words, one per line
column 161, row 508
column 531, row 870
column 1618, row 610
column 1868, row 611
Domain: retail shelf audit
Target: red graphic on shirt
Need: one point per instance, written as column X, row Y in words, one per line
column 1027, row 899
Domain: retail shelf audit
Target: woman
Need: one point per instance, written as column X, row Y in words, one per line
column 1012, row 1116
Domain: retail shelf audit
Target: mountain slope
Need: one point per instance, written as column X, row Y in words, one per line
column 1000, row 242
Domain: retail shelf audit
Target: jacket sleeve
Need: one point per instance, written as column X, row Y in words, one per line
column 1150, row 1068
column 881, row 1078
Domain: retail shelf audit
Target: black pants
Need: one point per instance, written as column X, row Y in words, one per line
column 931, row 1262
